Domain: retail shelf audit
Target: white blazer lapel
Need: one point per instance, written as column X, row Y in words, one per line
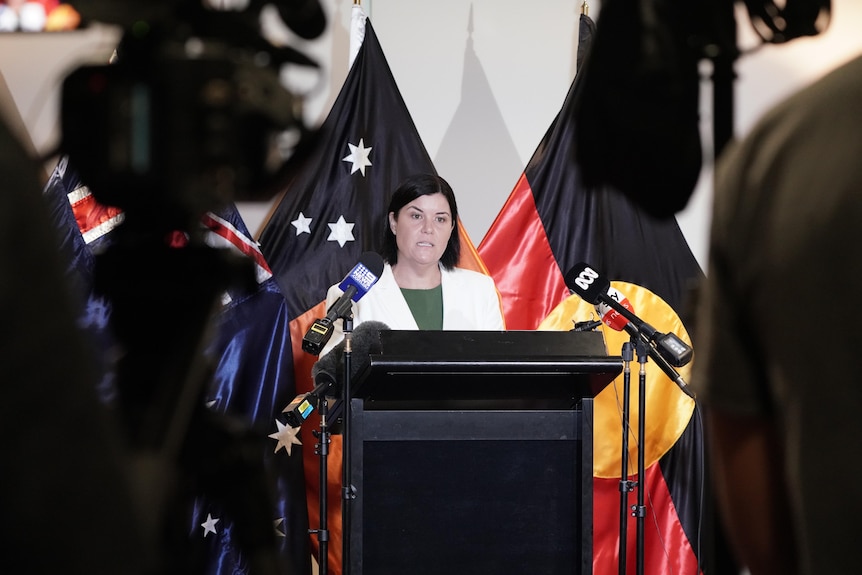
column 388, row 304
column 451, row 302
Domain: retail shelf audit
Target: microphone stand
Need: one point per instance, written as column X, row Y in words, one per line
column 324, row 437
column 626, row 486
column 639, row 510
column 321, row 448
column 348, row 492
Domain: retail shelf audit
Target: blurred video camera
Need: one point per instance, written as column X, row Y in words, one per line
column 191, row 114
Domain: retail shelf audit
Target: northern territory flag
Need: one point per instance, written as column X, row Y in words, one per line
column 332, row 210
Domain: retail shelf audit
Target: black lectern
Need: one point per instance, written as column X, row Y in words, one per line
column 471, row 452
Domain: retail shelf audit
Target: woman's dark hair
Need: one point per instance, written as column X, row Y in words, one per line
column 413, row 187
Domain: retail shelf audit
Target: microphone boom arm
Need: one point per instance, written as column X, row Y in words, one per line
column 663, row 363
column 668, row 345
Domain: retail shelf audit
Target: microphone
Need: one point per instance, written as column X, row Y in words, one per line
column 328, row 372
column 586, row 325
column 596, row 289
column 669, row 345
column 618, row 313
column 610, row 316
column 355, row 284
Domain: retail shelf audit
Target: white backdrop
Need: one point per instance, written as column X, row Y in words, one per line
column 482, row 79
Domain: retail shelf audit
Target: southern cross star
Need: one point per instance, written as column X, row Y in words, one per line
column 341, row 232
column 358, row 157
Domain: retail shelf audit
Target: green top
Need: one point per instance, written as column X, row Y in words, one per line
column 426, row 305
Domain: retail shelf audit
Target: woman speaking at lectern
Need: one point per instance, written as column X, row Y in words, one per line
column 420, row 287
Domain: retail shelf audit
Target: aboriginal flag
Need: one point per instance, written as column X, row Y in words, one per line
column 551, row 222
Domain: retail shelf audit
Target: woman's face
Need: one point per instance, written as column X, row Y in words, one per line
column 422, row 229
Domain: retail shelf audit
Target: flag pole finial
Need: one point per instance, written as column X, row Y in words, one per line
column 585, row 8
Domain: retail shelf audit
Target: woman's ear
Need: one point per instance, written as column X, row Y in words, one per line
column 392, row 222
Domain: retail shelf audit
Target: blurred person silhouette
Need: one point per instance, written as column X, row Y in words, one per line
column 67, row 498
column 778, row 358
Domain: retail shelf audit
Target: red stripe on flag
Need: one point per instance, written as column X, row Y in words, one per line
column 666, row 547
column 529, row 279
column 224, row 229
column 90, row 214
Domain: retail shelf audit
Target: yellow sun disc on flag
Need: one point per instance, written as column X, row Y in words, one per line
column 668, row 410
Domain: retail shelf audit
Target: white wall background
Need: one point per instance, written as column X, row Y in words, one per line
column 483, row 79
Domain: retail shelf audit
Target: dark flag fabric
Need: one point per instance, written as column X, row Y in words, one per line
column 332, row 210
column 250, row 350
column 535, row 238
column 550, row 223
column 254, row 380
column 84, row 229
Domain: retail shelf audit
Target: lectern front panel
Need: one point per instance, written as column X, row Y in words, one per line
column 471, row 491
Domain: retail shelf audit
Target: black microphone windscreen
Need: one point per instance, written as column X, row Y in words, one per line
column 587, row 283
column 329, row 364
column 366, row 337
column 366, row 342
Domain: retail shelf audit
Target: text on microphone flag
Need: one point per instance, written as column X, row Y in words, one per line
column 363, row 277
column 611, row 317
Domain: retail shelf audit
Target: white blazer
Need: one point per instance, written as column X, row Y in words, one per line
column 470, row 302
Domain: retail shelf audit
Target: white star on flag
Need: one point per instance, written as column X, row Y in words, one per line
column 341, row 232
column 278, row 523
column 209, row 525
column 358, row 157
column 286, row 437
column 302, row 224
